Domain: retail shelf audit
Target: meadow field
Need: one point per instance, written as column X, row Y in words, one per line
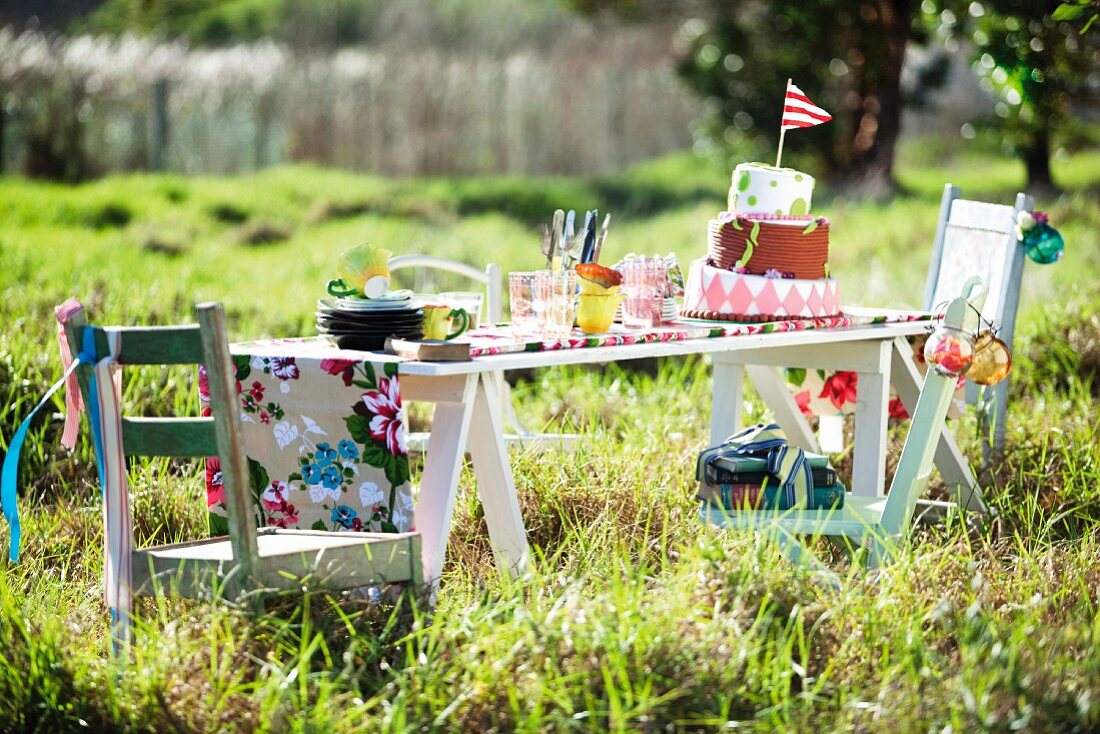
column 632, row 616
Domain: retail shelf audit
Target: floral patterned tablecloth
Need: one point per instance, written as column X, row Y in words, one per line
column 325, row 441
column 828, row 393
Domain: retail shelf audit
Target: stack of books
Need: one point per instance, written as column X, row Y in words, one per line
column 743, row 483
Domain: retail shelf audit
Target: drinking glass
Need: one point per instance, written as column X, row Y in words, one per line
column 468, row 301
column 555, row 302
column 644, row 282
column 521, row 301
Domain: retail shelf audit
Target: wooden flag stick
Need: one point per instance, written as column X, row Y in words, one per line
column 782, row 130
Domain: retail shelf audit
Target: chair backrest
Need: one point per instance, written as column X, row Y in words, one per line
column 490, row 278
column 976, row 238
column 915, row 466
column 208, row 344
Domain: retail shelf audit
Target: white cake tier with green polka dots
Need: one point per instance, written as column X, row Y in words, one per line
column 758, row 188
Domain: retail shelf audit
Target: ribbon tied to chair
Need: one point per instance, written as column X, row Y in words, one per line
column 786, row 463
column 103, row 416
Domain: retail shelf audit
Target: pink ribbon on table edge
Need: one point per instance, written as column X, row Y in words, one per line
column 74, row 404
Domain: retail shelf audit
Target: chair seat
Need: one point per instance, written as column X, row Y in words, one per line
column 285, row 559
column 858, row 517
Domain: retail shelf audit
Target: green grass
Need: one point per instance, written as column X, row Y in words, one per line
column 633, row 616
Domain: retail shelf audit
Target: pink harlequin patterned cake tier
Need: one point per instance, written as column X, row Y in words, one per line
column 712, row 293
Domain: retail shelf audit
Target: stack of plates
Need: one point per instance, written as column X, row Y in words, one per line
column 366, row 323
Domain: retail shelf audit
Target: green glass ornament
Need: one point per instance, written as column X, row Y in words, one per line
column 1044, row 244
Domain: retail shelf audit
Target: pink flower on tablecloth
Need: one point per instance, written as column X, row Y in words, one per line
column 275, row 496
column 896, row 409
column 204, row 392
column 802, row 399
column 215, row 488
column 345, row 368
column 288, row 516
column 384, row 405
column 840, row 388
column 285, row 368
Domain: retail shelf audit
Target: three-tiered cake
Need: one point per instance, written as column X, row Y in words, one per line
column 767, row 256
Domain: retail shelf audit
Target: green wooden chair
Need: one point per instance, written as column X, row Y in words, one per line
column 882, row 523
column 249, row 560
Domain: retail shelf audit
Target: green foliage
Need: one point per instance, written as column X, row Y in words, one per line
column 1084, row 9
column 486, row 24
column 1039, row 65
column 203, row 21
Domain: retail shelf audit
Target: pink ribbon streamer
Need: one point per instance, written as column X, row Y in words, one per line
column 73, row 402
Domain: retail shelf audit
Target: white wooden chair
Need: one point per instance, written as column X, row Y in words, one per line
column 491, row 278
column 883, row 524
column 978, row 238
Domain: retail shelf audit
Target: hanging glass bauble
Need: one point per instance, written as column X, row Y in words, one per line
column 949, row 351
column 992, row 360
column 1044, row 244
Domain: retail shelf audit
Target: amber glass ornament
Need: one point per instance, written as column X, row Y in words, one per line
column 992, row 360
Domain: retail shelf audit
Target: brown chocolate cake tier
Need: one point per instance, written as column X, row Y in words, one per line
column 799, row 251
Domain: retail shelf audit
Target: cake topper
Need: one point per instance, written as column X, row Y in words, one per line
column 798, row 111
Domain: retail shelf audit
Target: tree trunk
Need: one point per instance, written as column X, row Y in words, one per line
column 877, row 122
column 1037, row 162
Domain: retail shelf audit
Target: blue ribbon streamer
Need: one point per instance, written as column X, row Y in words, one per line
column 87, row 355
column 9, row 494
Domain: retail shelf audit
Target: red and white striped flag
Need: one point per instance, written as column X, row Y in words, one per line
column 799, row 111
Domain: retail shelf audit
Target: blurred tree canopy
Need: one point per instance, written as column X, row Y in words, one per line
column 845, row 54
column 204, row 21
column 1046, row 72
column 487, row 24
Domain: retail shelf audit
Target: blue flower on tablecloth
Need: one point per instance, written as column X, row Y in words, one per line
column 324, row 454
column 331, row 478
column 311, row 474
column 349, row 450
column 343, row 515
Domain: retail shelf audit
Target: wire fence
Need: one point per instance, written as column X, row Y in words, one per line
column 83, row 106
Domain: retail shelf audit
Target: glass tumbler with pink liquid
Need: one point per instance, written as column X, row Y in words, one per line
column 644, row 283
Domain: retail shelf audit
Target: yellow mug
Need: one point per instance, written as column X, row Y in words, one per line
column 438, row 317
column 596, row 312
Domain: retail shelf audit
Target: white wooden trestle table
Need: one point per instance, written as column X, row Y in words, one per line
column 468, row 416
